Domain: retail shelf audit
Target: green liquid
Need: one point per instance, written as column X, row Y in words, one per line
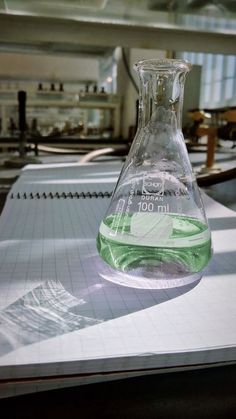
column 188, row 250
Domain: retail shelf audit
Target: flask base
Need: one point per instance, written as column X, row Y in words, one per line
column 144, row 278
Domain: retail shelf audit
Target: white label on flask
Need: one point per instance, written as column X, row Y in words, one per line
column 152, row 226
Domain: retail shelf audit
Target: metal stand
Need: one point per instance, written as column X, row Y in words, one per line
column 210, row 167
column 21, row 160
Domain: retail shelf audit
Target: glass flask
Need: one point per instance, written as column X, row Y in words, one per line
column 155, row 233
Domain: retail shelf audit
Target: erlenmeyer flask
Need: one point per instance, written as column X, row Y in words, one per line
column 155, row 229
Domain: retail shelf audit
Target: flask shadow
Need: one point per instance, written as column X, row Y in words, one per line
column 56, row 307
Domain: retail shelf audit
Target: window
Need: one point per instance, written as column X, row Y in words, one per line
column 218, row 81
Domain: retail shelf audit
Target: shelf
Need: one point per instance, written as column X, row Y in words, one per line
column 38, row 107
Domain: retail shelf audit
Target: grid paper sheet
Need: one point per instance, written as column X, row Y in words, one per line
column 58, row 315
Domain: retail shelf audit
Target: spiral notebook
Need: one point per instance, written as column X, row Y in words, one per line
column 59, row 195
column 63, row 321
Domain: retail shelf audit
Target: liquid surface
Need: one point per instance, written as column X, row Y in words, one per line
column 170, row 244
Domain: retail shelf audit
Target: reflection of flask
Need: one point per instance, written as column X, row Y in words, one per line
column 155, row 227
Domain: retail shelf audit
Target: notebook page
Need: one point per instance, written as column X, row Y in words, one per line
column 60, row 316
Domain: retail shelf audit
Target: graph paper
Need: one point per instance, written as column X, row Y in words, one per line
column 60, row 316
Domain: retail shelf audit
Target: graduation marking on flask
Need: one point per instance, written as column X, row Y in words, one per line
column 116, row 221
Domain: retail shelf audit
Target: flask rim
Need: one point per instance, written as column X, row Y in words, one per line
column 155, row 64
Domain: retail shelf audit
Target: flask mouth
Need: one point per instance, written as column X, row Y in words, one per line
column 163, row 64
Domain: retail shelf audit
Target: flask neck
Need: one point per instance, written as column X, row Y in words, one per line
column 161, row 92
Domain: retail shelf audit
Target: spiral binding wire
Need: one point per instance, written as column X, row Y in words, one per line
column 59, row 195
